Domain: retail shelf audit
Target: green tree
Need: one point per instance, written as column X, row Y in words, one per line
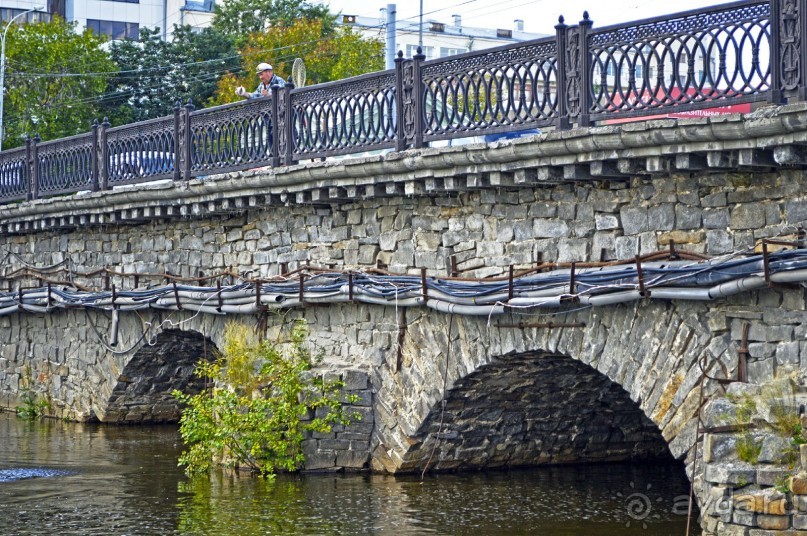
column 239, row 18
column 144, row 87
column 341, row 54
column 54, row 79
column 260, row 404
column 155, row 74
column 206, row 55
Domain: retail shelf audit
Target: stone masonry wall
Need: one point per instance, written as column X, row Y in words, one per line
column 487, row 230
column 650, row 349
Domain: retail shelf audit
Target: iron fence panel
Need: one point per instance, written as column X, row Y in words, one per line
column 65, row 165
column 14, row 174
column 231, row 137
column 141, row 152
column 501, row 89
column 350, row 116
column 693, row 60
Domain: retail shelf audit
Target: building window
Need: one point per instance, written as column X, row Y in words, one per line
column 114, row 29
column 8, row 13
column 411, row 50
column 448, row 51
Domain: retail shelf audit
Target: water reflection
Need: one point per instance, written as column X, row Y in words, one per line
column 124, row 480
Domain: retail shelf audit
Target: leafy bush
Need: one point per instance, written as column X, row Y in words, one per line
column 259, row 403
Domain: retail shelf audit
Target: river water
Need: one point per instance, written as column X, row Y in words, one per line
column 86, row 479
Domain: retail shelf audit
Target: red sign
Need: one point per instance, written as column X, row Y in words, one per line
column 695, row 96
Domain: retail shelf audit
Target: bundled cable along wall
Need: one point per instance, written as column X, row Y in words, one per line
column 601, row 286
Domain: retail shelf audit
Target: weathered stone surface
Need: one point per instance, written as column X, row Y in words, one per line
column 798, row 484
column 773, row 522
column 734, row 474
column 769, row 502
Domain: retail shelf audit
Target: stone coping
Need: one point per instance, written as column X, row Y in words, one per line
column 770, row 137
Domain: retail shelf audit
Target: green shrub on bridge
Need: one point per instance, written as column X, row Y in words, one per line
column 259, row 403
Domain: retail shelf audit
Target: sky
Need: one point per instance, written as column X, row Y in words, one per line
column 539, row 16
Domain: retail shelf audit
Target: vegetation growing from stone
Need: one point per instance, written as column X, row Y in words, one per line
column 774, row 405
column 748, row 448
column 778, row 397
column 260, row 402
column 33, row 406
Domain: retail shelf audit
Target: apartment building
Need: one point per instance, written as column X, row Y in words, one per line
column 119, row 19
column 440, row 39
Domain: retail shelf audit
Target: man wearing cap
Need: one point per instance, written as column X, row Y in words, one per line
column 268, row 80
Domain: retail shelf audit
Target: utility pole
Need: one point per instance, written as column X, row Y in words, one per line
column 420, row 27
column 392, row 15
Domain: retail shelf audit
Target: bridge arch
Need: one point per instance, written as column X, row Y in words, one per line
column 510, row 412
column 142, row 392
column 636, row 363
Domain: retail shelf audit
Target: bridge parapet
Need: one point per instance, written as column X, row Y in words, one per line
column 772, row 138
column 703, row 60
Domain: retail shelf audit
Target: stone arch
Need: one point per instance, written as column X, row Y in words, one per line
column 142, row 392
column 648, row 350
column 509, row 412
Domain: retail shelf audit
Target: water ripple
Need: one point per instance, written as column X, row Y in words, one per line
column 23, row 473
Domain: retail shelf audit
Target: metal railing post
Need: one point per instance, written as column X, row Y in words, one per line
column 560, row 84
column 802, row 23
column 288, row 124
column 775, row 93
column 95, row 144
column 187, row 163
column 103, row 155
column 29, row 167
column 419, row 91
column 177, row 140
column 33, row 192
column 275, row 125
column 586, row 91
column 400, row 134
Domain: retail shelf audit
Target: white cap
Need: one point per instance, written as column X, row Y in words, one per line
column 262, row 67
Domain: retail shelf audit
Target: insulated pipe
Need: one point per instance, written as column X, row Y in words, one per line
column 736, row 286
column 611, row 299
column 791, row 276
column 470, row 310
column 548, row 302
column 113, row 330
column 679, row 293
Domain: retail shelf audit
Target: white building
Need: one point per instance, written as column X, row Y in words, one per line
column 119, row 18
column 123, row 19
column 440, row 39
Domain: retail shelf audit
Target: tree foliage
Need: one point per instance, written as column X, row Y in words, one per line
column 258, row 407
column 342, row 54
column 45, row 92
column 155, row 74
column 240, row 18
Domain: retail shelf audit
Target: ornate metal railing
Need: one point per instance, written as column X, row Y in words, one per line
column 504, row 88
column 63, row 166
column 731, row 54
column 344, row 117
column 689, row 61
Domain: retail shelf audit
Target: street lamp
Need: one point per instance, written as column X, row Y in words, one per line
column 3, row 65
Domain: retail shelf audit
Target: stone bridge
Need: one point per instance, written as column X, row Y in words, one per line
column 637, row 380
